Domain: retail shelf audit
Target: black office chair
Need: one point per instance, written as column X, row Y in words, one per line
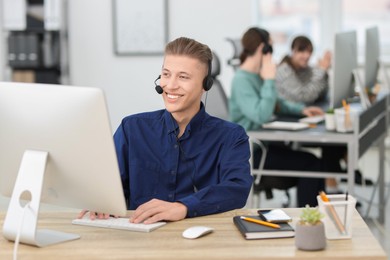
column 266, row 184
column 215, row 99
column 216, row 102
column 234, row 61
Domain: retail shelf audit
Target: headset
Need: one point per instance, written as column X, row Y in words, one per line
column 207, row 82
column 265, row 37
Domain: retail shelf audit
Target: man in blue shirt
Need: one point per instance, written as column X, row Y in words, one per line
column 181, row 162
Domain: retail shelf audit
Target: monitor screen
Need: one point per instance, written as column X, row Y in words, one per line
column 344, row 62
column 372, row 55
column 71, row 125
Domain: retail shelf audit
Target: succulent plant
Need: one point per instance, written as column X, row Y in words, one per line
column 330, row 111
column 310, row 216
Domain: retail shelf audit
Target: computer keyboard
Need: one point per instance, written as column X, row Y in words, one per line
column 312, row 119
column 118, row 223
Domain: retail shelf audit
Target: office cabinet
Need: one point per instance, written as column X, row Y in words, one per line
column 35, row 37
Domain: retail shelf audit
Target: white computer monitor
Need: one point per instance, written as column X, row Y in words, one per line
column 372, row 56
column 344, row 63
column 56, row 146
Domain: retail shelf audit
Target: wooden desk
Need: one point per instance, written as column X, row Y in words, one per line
column 167, row 243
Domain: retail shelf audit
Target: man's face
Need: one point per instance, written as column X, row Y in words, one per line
column 182, row 82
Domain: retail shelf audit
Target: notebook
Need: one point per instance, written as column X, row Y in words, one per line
column 281, row 125
column 251, row 230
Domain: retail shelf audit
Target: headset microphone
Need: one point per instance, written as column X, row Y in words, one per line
column 158, row 88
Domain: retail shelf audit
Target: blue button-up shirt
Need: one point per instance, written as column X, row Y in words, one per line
column 207, row 168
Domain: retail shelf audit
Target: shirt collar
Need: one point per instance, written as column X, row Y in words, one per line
column 195, row 123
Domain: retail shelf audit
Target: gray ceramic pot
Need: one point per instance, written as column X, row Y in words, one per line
column 310, row 237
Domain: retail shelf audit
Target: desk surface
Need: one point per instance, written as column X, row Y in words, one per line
column 167, row 243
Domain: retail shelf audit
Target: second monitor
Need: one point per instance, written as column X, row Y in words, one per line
column 344, row 64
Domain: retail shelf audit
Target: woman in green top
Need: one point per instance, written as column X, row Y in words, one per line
column 254, row 101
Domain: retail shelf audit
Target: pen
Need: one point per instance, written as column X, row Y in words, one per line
column 333, row 212
column 257, row 221
column 345, row 209
column 347, row 119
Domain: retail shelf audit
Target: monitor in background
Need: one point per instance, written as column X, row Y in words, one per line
column 344, row 64
column 372, row 57
column 56, row 146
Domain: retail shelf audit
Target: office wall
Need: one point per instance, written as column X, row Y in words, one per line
column 128, row 80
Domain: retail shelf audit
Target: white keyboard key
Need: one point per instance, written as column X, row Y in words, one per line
column 118, row 223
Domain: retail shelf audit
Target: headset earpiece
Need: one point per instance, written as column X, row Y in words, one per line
column 208, row 80
column 208, row 83
column 265, row 37
column 267, row 49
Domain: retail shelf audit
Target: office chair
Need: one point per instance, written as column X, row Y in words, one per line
column 215, row 100
column 237, row 48
column 266, row 184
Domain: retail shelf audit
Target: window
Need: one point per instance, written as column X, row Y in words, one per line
column 362, row 14
column 285, row 19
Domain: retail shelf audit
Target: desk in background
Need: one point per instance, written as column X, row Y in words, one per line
column 226, row 242
column 370, row 128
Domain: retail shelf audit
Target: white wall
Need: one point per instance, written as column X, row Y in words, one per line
column 128, row 80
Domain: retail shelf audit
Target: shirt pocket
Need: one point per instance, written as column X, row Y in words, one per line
column 144, row 180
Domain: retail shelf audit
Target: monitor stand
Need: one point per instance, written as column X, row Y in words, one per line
column 23, row 220
column 364, row 100
column 386, row 75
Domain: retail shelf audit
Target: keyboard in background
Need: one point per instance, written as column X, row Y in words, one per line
column 118, row 223
column 312, row 119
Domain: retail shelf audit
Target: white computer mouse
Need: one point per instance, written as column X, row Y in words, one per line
column 196, row 231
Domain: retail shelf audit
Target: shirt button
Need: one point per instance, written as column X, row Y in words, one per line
column 173, row 172
column 175, row 146
column 170, row 196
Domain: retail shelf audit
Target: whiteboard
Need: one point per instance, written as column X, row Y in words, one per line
column 140, row 27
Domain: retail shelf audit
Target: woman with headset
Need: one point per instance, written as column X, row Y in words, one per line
column 254, row 101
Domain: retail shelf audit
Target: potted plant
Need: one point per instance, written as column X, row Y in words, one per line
column 310, row 231
column 330, row 121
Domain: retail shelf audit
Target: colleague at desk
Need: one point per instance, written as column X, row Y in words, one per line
column 181, row 162
column 297, row 81
column 253, row 102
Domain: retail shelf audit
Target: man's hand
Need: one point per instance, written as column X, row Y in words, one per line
column 156, row 210
column 312, row 111
column 268, row 67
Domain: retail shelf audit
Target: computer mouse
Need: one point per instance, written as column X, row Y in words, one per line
column 196, row 231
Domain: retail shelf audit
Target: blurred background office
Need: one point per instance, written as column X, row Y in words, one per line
column 92, row 57
column 117, row 45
